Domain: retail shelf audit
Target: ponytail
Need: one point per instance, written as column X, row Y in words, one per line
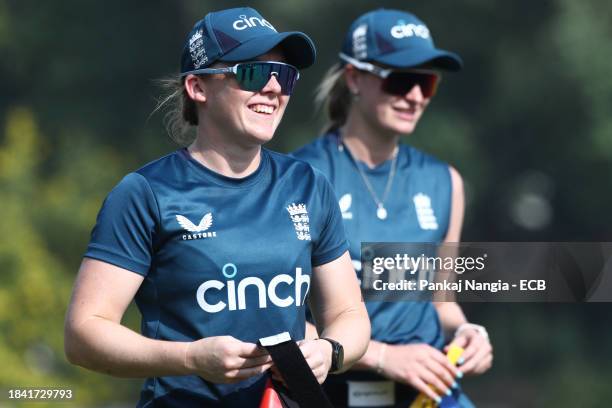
column 333, row 96
column 181, row 113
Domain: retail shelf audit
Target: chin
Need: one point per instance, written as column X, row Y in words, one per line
column 406, row 129
column 402, row 128
column 261, row 136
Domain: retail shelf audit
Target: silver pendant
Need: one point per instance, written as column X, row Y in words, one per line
column 381, row 213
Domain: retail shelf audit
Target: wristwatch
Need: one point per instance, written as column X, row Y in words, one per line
column 337, row 360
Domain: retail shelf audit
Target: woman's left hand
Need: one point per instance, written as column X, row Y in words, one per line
column 478, row 352
column 318, row 356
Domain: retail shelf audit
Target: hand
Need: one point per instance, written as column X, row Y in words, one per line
column 478, row 355
column 419, row 365
column 225, row 359
column 318, row 356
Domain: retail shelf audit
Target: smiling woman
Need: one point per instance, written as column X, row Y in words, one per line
column 391, row 192
column 255, row 114
column 255, row 76
column 209, row 291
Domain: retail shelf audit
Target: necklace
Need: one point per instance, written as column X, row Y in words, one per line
column 381, row 211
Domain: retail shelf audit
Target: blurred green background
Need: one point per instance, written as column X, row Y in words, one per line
column 528, row 123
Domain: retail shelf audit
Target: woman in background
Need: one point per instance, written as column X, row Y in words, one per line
column 392, row 192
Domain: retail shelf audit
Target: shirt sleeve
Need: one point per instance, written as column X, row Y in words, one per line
column 331, row 243
column 126, row 226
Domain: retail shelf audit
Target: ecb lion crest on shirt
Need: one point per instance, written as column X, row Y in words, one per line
column 301, row 222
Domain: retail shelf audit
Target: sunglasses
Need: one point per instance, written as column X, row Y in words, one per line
column 399, row 83
column 253, row 76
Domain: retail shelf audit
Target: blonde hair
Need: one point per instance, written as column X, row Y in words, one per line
column 334, row 97
column 180, row 111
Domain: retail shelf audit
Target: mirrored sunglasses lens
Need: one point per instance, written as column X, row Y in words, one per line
column 287, row 76
column 401, row 83
column 254, row 76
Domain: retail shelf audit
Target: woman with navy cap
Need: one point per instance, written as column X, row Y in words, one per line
column 221, row 242
column 392, row 192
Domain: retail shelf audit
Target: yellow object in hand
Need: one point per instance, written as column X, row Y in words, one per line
column 454, row 353
column 422, row 400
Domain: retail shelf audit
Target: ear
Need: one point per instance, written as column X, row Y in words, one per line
column 195, row 87
column 353, row 79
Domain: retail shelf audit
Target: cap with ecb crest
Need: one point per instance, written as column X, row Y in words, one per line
column 241, row 34
column 396, row 39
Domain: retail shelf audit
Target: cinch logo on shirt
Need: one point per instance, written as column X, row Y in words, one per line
column 198, row 231
column 299, row 216
column 345, row 206
column 402, row 30
column 243, row 23
column 235, row 291
column 425, row 214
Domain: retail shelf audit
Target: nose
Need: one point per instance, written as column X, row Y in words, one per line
column 272, row 86
column 415, row 94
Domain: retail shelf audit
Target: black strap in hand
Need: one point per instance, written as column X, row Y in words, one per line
column 301, row 382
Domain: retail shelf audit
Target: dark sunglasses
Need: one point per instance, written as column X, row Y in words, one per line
column 253, row 76
column 399, row 83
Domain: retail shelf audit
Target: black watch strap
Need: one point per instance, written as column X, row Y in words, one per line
column 337, row 355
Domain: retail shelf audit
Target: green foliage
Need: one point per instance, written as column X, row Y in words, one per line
column 583, row 33
column 46, row 214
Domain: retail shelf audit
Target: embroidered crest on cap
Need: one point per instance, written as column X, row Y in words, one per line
column 197, row 50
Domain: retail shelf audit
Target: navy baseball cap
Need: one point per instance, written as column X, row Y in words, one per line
column 241, row 34
column 397, row 39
